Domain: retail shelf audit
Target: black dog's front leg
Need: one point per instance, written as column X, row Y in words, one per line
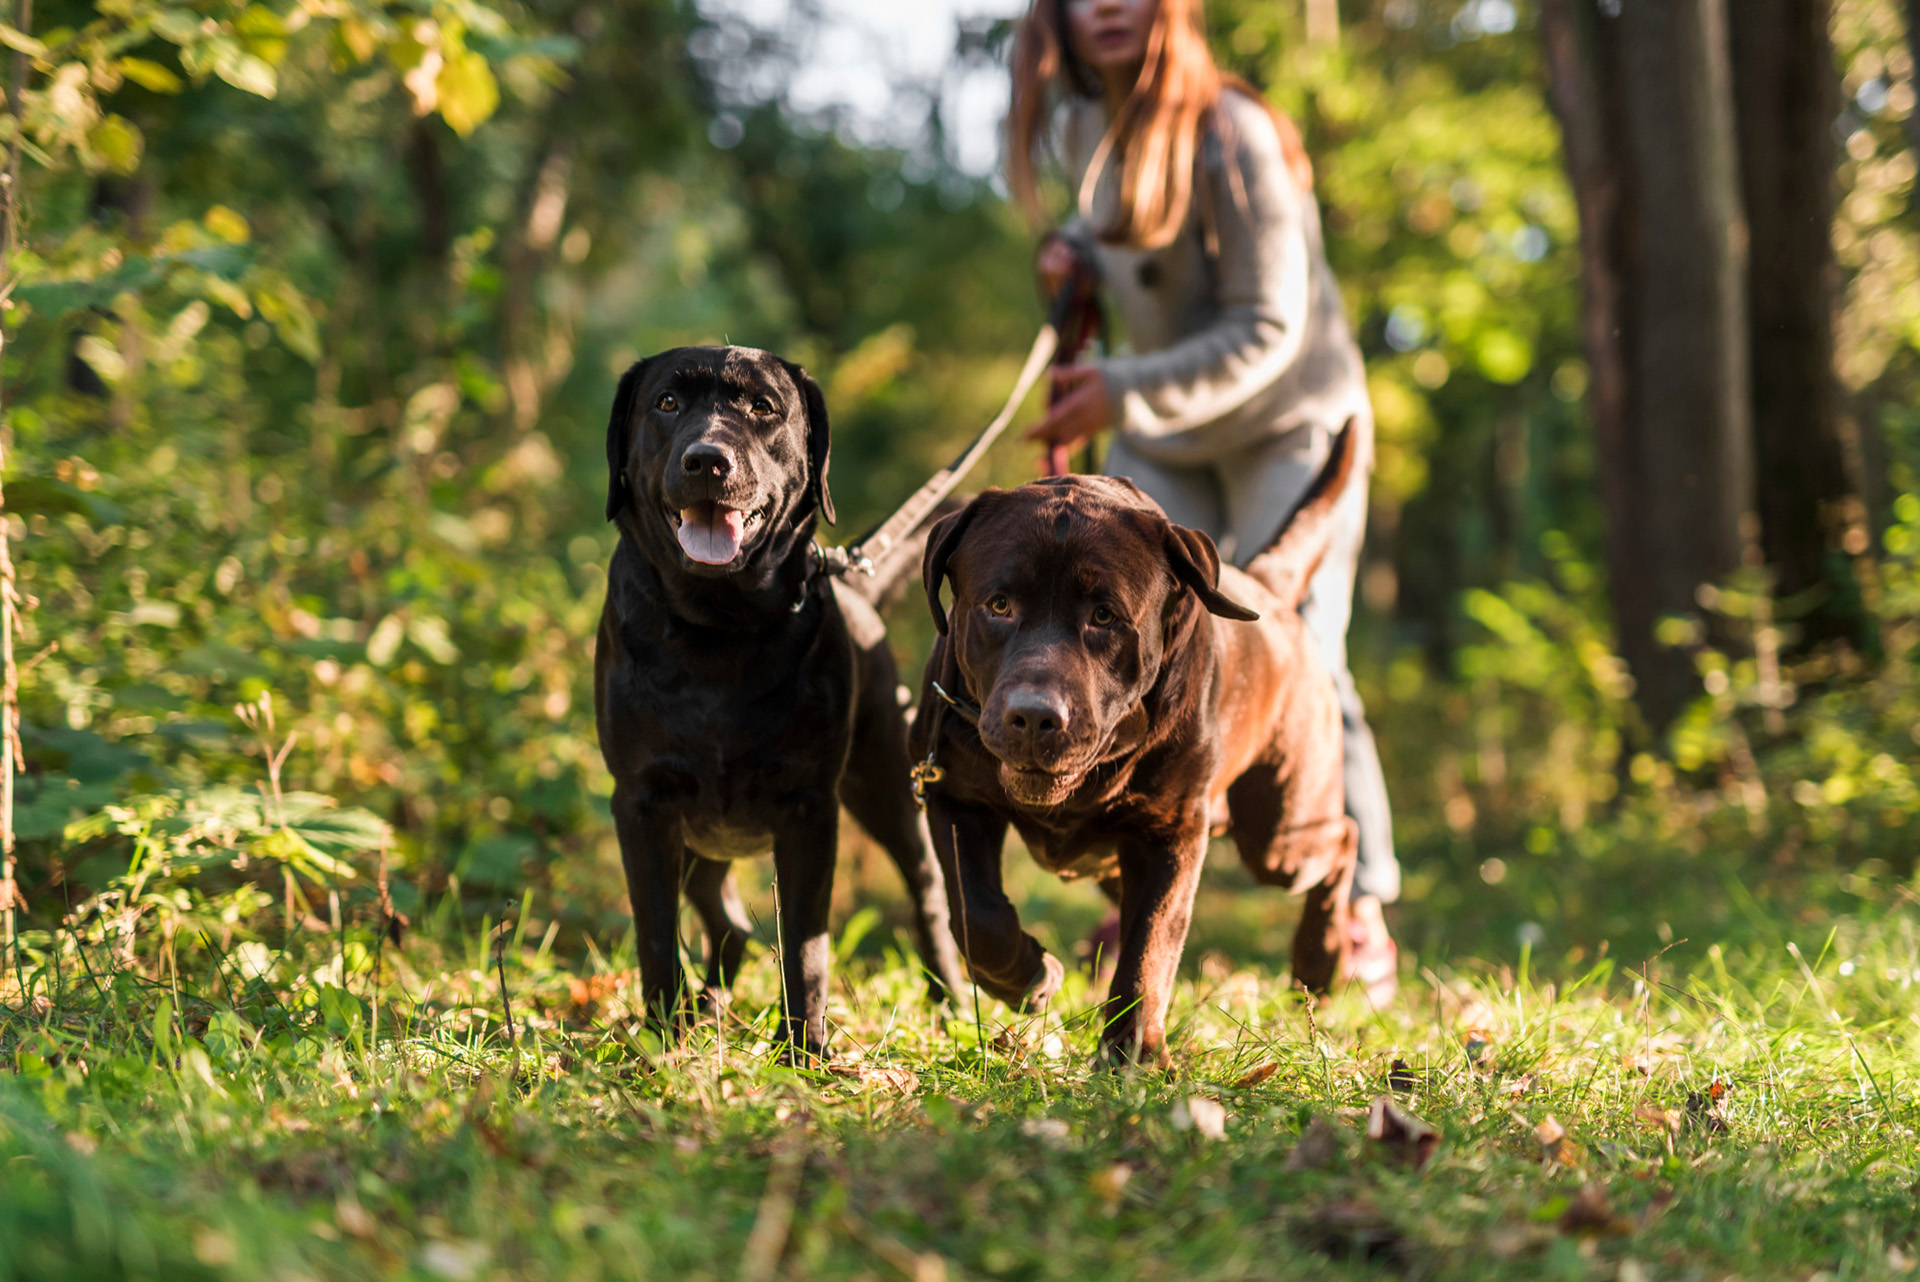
column 1006, row 961
column 653, row 852
column 804, row 848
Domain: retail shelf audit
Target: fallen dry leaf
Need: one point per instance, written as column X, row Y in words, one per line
column 352, row 1217
column 1051, row 1131
column 1316, row 1149
column 1401, row 1077
column 1706, row 1109
column 1589, row 1213
column 901, row 1081
column 1199, row 1114
column 1400, row 1134
column 1258, row 1075
column 1660, row 1119
column 1555, row 1146
column 594, row 989
column 1110, row 1185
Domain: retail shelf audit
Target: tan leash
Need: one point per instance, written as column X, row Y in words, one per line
column 863, row 555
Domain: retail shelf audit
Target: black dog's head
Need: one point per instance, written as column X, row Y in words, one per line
column 716, row 452
column 1068, row 596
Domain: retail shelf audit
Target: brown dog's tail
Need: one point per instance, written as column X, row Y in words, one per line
column 1287, row 566
column 895, row 569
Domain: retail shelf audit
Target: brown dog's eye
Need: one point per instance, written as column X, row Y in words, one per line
column 761, row 405
column 667, row 401
column 1102, row 617
column 997, row 604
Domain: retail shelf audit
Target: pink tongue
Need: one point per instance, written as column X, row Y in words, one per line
column 710, row 532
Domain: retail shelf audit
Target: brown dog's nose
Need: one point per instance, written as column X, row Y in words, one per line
column 704, row 458
column 1033, row 719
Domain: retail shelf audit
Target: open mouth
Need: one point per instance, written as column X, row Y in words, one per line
column 711, row 532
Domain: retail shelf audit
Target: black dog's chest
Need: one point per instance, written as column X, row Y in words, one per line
column 728, row 731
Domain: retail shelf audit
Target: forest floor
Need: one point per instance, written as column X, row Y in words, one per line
column 1742, row 1110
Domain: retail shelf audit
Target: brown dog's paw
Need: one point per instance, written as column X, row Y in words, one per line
column 1041, row 991
column 1126, row 1048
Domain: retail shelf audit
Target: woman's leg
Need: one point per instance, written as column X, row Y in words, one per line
column 1190, row 495
column 1261, row 489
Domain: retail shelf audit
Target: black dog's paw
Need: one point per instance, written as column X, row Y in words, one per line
column 937, row 993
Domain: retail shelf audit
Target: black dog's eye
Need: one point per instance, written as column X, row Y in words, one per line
column 667, row 401
column 1102, row 617
column 761, row 405
column 998, row 605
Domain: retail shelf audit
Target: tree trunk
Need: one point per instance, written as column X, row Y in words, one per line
column 1579, row 73
column 1787, row 95
column 1913, row 76
column 1644, row 88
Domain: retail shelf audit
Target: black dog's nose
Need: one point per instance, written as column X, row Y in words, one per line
column 704, row 458
column 1032, row 718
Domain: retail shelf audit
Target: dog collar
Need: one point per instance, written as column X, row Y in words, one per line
column 929, row 770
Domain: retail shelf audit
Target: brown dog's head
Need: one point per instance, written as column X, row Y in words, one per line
column 1068, row 595
column 718, row 452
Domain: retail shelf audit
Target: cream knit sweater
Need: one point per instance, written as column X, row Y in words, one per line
column 1235, row 348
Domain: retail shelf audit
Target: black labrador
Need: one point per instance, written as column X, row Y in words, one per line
column 743, row 695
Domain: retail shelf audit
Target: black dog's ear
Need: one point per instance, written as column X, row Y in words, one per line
column 942, row 539
column 819, row 437
column 1196, row 563
column 619, row 423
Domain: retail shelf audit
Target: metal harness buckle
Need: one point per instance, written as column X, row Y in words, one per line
column 922, row 774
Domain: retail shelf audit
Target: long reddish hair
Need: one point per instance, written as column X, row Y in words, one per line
column 1157, row 132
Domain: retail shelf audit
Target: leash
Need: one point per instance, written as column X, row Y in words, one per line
column 863, row 555
column 1083, row 321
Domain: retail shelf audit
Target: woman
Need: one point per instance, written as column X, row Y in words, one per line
column 1195, row 210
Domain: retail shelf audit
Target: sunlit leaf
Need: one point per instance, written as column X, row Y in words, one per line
column 227, row 225
column 117, row 143
column 467, row 91
column 151, row 75
column 13, row 38
column 245, row 71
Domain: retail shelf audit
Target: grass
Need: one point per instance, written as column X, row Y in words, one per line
column 1735, row 1109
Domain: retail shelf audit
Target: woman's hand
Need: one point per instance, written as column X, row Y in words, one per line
column 1082, row 407
column 1052, row 264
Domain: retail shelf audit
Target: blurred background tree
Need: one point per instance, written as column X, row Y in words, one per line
column 320, row 305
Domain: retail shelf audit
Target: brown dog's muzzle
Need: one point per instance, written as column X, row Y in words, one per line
column 1033, row 726
column 1030, row 724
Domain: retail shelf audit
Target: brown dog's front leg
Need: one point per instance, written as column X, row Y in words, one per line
column 652, row 852
column 1320, row 943
column 1158, row 881
column 1006, row 961
column 804, row 848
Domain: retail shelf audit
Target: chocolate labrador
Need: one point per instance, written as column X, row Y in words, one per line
column 742, row 695
column 1103, row 685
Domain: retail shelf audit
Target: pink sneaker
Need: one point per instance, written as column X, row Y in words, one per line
column 1373, row 959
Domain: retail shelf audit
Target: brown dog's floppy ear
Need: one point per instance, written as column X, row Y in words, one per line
column 942, row 539
column 1196, row 563
column 619, row 423
column 819, row 437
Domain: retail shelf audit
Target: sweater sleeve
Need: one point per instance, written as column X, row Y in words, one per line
column 1262, row 275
